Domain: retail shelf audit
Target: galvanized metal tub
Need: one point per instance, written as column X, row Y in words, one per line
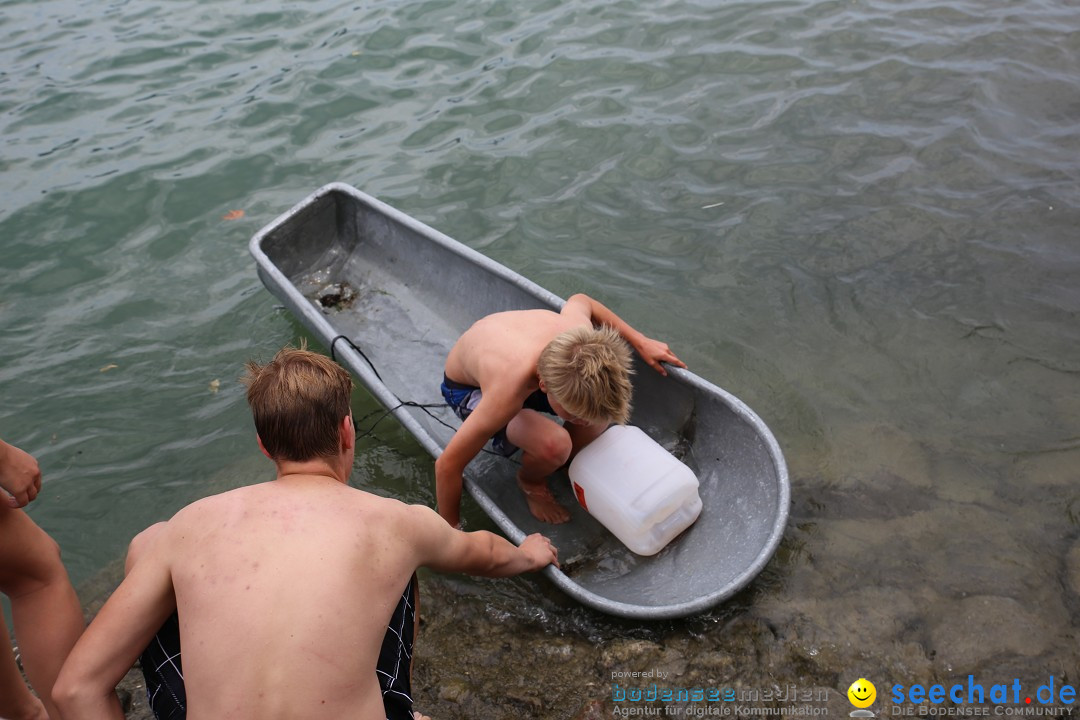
column 350, row 266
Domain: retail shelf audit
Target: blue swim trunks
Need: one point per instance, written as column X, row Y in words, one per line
column 463, row 399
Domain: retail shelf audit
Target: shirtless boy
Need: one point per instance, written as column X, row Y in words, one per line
column 510, row 367
column 284, row 590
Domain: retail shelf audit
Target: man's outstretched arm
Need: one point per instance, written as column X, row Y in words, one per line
column 446, row 549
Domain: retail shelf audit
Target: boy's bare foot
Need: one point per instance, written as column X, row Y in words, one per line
column 417, row 715
column 542, row 504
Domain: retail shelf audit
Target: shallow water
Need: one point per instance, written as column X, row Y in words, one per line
column 859, row 217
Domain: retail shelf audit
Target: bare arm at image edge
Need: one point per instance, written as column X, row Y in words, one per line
column 20, row 476
column 111, row 644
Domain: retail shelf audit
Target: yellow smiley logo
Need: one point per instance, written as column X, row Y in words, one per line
column 862, row 693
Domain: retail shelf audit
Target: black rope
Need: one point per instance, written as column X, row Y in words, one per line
column 333, row 355
column 422, row 406
column 401, row 403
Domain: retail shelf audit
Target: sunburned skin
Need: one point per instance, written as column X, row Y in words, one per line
column 284, row 588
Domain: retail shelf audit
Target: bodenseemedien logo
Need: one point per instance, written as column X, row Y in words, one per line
column 862, row 695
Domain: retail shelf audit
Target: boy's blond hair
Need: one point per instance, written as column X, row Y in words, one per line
column 298, row 400
column 587, row 370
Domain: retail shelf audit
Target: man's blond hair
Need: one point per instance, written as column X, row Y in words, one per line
column 298, row 401
column 587, row 370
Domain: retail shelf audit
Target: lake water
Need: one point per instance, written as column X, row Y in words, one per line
column 859, row 216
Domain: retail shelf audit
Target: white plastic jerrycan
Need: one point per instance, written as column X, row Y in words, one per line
column 638, row 490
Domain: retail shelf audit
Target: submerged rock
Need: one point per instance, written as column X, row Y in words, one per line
column 1072, row 570
column 961, row 641
column 338, row 296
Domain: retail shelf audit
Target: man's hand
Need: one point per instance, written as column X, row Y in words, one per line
column 654, row 352
column 540, row 552
column 19, row 475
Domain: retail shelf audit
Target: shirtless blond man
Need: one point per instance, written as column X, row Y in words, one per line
column 510, row 371
column 284, row 590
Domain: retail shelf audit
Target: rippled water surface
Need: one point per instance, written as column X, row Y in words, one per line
column 860, row 217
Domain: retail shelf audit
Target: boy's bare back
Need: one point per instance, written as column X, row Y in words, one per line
column 501, row 350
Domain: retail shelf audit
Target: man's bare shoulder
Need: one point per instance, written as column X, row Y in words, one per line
column 217, row 503
column 406, row 516
column 271, row 491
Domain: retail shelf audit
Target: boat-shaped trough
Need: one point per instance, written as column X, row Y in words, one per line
column 390, row 295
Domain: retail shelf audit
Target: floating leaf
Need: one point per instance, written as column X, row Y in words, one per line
column 109, row 367
column 233, row 215
column 214, row 385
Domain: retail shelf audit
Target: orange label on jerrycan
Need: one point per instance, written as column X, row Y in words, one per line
column 580, row 492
